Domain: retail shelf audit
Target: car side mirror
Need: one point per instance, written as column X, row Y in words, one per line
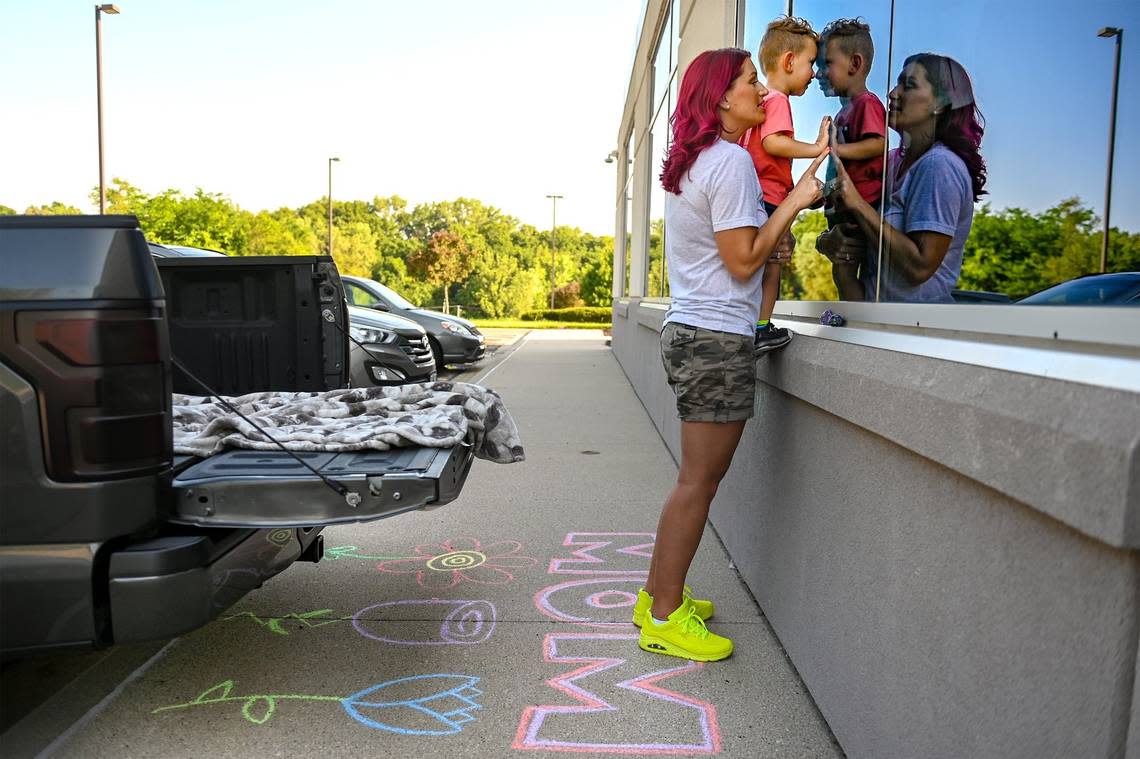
column 380, row 307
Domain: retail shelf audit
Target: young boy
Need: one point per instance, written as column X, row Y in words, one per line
column 846, row 52
column 787, row 55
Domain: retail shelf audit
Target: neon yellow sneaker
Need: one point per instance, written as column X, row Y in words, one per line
column 705, row 608
column 684, row 635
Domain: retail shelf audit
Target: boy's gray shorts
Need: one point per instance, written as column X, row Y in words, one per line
column 712, row 373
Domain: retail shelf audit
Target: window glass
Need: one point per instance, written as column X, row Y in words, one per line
column 854, row 95
column 1045, row 96
column 662, row 67
column 656, row 286
column 628, row 203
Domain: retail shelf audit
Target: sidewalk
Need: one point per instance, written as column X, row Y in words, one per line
column 495, row 626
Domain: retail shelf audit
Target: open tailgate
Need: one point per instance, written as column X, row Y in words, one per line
column 247, row 488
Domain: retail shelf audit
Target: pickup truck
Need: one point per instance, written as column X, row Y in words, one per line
column 107, row 536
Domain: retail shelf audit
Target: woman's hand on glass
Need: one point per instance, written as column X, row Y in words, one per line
column 843, row 245
column 809, row 190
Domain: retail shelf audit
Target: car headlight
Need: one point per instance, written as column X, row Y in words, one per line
column 371, row 334
column 455, row 327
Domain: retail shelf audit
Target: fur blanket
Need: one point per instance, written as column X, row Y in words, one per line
column 437, row 414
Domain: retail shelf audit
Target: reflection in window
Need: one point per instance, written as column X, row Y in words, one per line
column 664, row 76
column 659, row 146
column 1046, row 133
column 809, row 276
column 627, row 203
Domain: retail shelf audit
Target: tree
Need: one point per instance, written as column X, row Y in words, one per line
column 568, row 296
column 53, row 209
column 809, row 275
column 597, row 281
column 444, row 261
column 6, row 211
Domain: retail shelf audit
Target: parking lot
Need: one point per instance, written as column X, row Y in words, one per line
column 496, row 625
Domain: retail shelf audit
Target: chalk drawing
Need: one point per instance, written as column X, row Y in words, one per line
column 541, row 726
column 443, row 566
column 605, row 602
column 306, row 619
column 605, row 553
column 352, row 552
column 438, row 704
column 467, row 622
column 611, row 599
column 280, row 537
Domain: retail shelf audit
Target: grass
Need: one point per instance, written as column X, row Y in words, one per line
column 520, row 324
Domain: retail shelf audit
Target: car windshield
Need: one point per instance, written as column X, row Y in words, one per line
column 390, row 295
column 1090, row 290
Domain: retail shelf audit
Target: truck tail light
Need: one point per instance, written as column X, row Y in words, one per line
column 103, row 379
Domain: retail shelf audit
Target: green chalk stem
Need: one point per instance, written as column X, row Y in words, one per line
column 251, row 702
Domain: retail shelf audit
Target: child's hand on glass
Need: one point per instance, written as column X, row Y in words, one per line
column 825, row 132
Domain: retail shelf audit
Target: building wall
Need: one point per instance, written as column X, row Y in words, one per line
column 931, row 614
column 937, row 507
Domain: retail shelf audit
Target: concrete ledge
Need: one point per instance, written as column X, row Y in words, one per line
column 1068, row 449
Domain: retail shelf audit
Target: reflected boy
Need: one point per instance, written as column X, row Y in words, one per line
column 861, row 124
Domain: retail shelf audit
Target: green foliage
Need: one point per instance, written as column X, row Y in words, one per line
column 1018, row 253
column 6, row 211
column 598, row 281
column 589, row 314
column 808, row 276
column 52, row 209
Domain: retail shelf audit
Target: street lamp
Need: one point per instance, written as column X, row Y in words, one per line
column 612, row 156
column 99, row 10
column 330, row 203
column 1110, row 31
column 553, row 222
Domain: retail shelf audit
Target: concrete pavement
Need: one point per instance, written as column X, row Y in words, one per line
column 495, row 626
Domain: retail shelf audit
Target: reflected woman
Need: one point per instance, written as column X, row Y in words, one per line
column 933, row 181
column 717, row 240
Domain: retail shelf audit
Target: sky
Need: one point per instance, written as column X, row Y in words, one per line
column 505, row 101
column 1042, row 80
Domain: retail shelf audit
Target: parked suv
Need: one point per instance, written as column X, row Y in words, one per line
column 391, row 351
column 107, row 536
column 453, row 340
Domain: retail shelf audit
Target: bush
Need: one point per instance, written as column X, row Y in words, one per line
column 592, row 314
column 568, row 296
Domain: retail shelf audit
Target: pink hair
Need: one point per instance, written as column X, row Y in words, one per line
column 695, row 121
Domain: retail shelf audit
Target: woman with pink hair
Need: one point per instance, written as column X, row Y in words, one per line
column 717, row 240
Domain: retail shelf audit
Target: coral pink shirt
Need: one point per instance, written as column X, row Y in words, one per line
column 775, row 173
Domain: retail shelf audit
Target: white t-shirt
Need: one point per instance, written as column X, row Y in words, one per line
column 719, row 191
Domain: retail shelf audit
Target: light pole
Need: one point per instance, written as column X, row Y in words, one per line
column 99, row 10
column 330, row 203
column 553, row 222
column 1110, row 31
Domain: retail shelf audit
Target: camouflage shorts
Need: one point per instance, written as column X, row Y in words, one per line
column 712, row 373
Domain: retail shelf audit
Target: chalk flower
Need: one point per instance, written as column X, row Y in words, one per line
column 445, row 565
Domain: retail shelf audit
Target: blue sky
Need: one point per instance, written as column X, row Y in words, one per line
column 1042, row 80
column 504, row 101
